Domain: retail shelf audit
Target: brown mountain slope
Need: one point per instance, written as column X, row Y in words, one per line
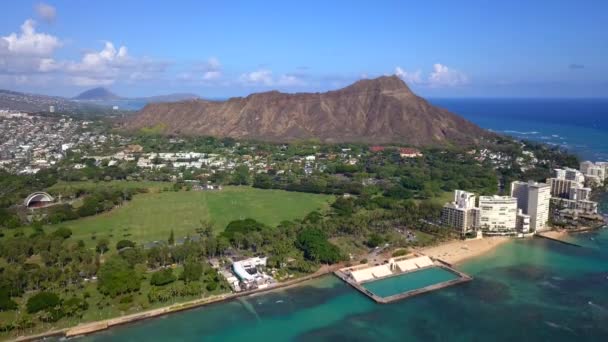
column 381, row 110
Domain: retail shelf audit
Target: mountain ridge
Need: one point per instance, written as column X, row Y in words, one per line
column 380, row 110
column 97, row 94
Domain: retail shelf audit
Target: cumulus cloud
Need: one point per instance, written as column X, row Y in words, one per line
column 46, row 12
column 442, row 76
column 409, row 77
column 212, row 70
column 27, row 51
column 110, row 64
column 258, row 77
column 29, row 42
column 290, row 80
column 264, row 77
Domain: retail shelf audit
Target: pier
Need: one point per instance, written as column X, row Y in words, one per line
column 346, row 274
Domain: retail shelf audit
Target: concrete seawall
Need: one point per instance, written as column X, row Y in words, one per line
column 541, row 236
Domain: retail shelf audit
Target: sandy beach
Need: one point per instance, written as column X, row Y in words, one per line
column 555, row 234
column 458, row 251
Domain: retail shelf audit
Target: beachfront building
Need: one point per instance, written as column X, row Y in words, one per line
column 498, row 214
column 595, row 173
column 533, row 199
column 522, row 222
column 561, row 187
column 461, row 214
column 249, row 273
column 572, row 196
column 570, row 174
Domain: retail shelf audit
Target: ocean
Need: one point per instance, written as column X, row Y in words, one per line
column 579, row 125
column 525, row 290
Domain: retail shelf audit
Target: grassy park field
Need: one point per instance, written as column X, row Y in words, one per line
column 151, row 216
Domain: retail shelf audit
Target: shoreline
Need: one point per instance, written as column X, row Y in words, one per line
column 457, row 252
column 93, row 327
column 453, row 252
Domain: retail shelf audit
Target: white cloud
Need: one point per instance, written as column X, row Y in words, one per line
column 212, row 70
column 30, row 42
column 442, row 76
column 290, row 80
column 111, row 64
column 46, row 12
column 264, row 77
column 102, row 61
column 409, row 77
column 27, row 51
column 258, row 77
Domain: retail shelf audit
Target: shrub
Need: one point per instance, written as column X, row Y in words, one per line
column 124, row 244
column 400, row 252
column 374, row 240
column 63, row 232
column 211, row 286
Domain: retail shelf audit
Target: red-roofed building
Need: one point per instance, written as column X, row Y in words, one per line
column 408, row 152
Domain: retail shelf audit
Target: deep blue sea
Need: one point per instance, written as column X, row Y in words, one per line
column 580, row 125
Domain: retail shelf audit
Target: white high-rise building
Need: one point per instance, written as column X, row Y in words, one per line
column 596, row 173
column 461, row 214
column 498, row 214
column 533, row 199
column 571, row 194
column 464, row 199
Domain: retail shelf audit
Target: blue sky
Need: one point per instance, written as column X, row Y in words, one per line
column 231, row 48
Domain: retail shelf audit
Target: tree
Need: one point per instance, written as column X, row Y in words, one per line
column 102, row 246
column 241, row 175
column 74, row 306
column 343, row 206
column 192, row 271
column 171, row 239
column 6, row 303
column 63, row 232
column 314, row 244
column 116, row 277
column 162, row 277
column 374, row 240
column 42, row 301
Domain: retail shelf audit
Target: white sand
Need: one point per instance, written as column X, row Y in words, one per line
column 457, row 251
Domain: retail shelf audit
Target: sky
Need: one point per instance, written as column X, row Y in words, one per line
column 218, row 49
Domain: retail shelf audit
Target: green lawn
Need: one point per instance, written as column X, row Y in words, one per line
column 90, row 185
column 150, row 217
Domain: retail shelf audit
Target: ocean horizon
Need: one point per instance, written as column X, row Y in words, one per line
column 579, row 125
